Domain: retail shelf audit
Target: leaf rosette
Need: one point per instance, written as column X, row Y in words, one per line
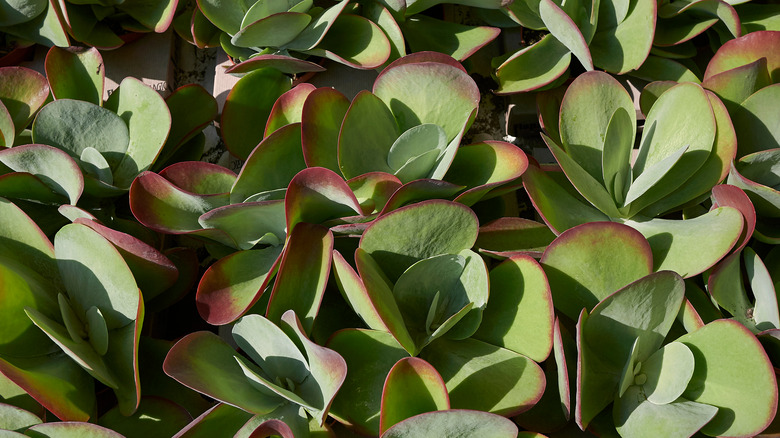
column 686, row 148
column 285, row 376
column 83, row 297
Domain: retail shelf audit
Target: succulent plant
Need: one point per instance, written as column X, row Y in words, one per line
column 670, row 388
column 285, row 376
column 282, row 34
column 83, row 297
column 682, row 155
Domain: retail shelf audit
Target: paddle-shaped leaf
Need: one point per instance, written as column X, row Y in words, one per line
column 637, row 317
column 303, row 273
column 690, row 246
column 148, row 121
column 369, row 355
column 588, row 263
column 587, row 109
column 249, row 101
column 563, row 28
column 361, row 149
column 271, row 165
column 412, row 387
column 400, row 238
column 519, row 314
column 321, row 118
column 23, row 92
column 738, row 380
column 76, row 74
column 51, row 166
column 467, row 365
column 409, row 88
column 74, row 125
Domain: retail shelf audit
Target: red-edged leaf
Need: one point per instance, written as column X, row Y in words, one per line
column 303, row 274
column 288, row 108
column 222, row 299
column 412, row 387
column 373, row 190
column 747, row 49
column 321, row 118
column 247, row 108
column 23, row 91
column 726, row 195
column 271, row 165
column 75, row 73
column 285, row 64
column 152, row 270
column 483, row 166
column 317, row 194
column 420, row 190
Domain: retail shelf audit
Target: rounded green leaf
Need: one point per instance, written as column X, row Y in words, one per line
column 17, row 419
column 273, row 31
column 484, row 377
column 321, row 118
column 205, row 363
column 316, row 195
column 226, row 15
column 76, row 73
column 588, row 263
column 668, row 372
column 519, row 313
column 94, row 274
column 74, row 125
column 153, row 271
column 303, row 274
column 409, row 90
column 402, row 237
column 619, row 47
column 354, row 41
column 149, row 122
column 52, row 166
column 247, row 108
column 412, row 387
column 288, row 108
column 220, row 298
column 317, row 29
column 563, row 28
column 587, row 109
column 453, row 424
column 557, row 201
column 370, row 355
column 733, row 374
column 691, row 246
column 745, row 50
column 366, row 137
column 635, row 416
column 270, row 348
column 756, row 121
column 266, row 217
column 271, row 165
column 714, row 169
column 21, row 287
column 23, row 92
column 533, row 67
